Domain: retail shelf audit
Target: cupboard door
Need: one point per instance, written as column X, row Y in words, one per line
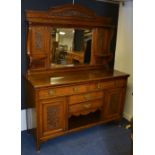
column 102, row 38
column 53, row 116
column 39, row 46
column 114, row 101
column 101, row 44
column 40, row 39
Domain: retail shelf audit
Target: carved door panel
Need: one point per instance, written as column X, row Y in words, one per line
column 53, row 116
column 113, row 103
column 103, row 39
column 101, row 44
column 40, row 39
column 39, row 46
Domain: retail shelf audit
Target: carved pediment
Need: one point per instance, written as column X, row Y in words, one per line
column 71, row 10
column 69, row 14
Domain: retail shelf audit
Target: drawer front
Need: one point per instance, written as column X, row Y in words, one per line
column 121, row 83
column 85, row 97
column 77, row 89
column 85, row 106
column 102, row 85
column 62, row 91
column 53, row 92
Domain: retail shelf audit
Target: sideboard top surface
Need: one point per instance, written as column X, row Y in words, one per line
column 56, row 79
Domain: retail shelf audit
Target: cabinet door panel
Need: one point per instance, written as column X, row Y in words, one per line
column 39, row 47
column 40, row 43
column 114, row 100
column 102, row 39
column 53, row 116
column 101, row 44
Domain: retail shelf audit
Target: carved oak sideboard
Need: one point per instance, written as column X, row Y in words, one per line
column 68, row 96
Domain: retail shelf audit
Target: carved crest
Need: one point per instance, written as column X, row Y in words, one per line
column 70, row 10
column 67, row 14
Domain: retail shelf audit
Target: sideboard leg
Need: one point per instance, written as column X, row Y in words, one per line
column 38, row 146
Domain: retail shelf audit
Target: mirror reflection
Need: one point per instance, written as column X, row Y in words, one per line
column 71, row 46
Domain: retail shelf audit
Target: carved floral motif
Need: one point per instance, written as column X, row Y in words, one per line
column 71, row 13
column 38, row 40
column 53, row 119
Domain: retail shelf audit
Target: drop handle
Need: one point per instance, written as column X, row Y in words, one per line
column 75, row 89
column 87, row 97
column 52, row 92
column 88, row 105
column 98, row 85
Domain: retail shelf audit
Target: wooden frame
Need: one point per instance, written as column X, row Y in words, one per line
column 67, row 16
column 99, row 91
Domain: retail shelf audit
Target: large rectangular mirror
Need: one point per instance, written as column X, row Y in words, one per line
column 70, row 46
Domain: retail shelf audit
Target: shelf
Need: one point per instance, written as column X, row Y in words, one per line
column 103, row 55
column 82, row 120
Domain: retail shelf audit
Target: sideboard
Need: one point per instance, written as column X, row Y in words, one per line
column 69, row 94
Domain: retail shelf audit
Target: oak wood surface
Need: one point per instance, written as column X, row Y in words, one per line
column 65, row 98
column 46, row 80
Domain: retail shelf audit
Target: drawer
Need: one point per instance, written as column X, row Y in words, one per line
column 121, row 83
column 53, row 92
column 102, row 85
column 85, row 97
column 84, row 106
column 62, row 91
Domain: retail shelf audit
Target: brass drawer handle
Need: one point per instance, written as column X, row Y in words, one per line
column 87, row 97
column 75, row 89
column 88, row 105
column 99, row 85
column 52, row 92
